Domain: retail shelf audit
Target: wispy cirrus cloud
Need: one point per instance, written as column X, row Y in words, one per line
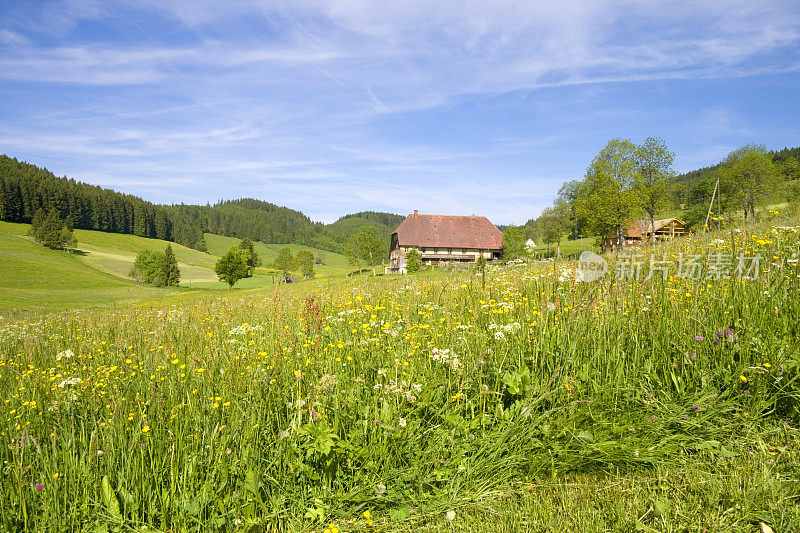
column 344, row 105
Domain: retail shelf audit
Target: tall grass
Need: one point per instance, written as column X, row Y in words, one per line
column 404, row 398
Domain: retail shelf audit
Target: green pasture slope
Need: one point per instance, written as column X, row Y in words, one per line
column 33, row 277
column 332, row 262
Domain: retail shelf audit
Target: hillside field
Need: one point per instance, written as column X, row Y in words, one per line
column 35, row 278
column 442, row 401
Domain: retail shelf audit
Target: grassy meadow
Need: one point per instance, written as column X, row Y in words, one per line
column 519, row 400
column 34, row 278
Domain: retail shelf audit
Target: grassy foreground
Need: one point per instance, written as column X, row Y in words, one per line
column 527, row 400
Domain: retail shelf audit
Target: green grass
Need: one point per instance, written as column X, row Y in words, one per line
column 333, row 263
column 533, row 403
column 34, row 278
column 569, row 247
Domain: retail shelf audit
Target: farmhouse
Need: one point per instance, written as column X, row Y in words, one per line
column 442, row 239
column 639, row 230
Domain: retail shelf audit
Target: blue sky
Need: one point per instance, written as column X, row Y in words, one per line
column 336, row 107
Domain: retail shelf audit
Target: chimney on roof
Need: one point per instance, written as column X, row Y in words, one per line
column 416, row 213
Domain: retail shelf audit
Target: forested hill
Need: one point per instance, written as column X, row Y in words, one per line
column 693, row 176
column 695, row 188
column 26, row 188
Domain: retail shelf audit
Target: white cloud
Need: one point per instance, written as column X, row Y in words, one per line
column 297, row 98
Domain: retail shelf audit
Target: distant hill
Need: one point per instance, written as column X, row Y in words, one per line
column 25, row 188
column 343, row 228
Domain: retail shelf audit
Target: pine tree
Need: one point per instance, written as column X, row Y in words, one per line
column 247, row 245
column 169, row 268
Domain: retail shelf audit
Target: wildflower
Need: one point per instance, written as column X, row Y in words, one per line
column 402, row 423
column 56, row 475
column 767, row 365
column 145, row 429
column 66, row 354
column 38, row 486
column 698, row 338
column 451, row 515
column 695, row 407
column 380, row 488
column 743, row 379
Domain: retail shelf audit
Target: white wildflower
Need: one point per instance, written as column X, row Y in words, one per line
column 74, row 380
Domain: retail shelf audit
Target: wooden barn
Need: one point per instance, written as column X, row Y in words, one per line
column 442, row 239
column 640, row 231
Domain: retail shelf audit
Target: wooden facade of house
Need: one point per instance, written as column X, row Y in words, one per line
column 442, row 239
column 640, row 231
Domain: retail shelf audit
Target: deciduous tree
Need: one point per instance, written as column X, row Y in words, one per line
column 652, row 172
column 147, row 265
column 366, row 245
column 305, row 263
column 608, row 200
column 413, row 260
column 232, row 266
column 284, row 262
column 751, row 175
column 513, row 244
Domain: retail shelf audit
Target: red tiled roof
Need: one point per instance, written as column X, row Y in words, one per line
column 442, row 231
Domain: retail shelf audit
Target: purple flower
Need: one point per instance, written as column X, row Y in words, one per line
column 651, row 418
column 39, row 486
column 720, row 333
column 716, row 341
column 698, row 338
column 693, row 355
column 729, row 333
column 315, row 415
column 696, row 407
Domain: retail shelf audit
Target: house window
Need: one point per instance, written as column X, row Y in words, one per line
column 463, row 250
column 449, row 250
column 423, row 250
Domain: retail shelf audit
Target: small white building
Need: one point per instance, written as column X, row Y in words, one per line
column 530, row 245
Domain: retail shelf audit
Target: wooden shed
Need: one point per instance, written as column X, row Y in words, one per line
column 638, row 232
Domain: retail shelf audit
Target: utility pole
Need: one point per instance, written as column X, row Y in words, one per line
column 711, row 205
